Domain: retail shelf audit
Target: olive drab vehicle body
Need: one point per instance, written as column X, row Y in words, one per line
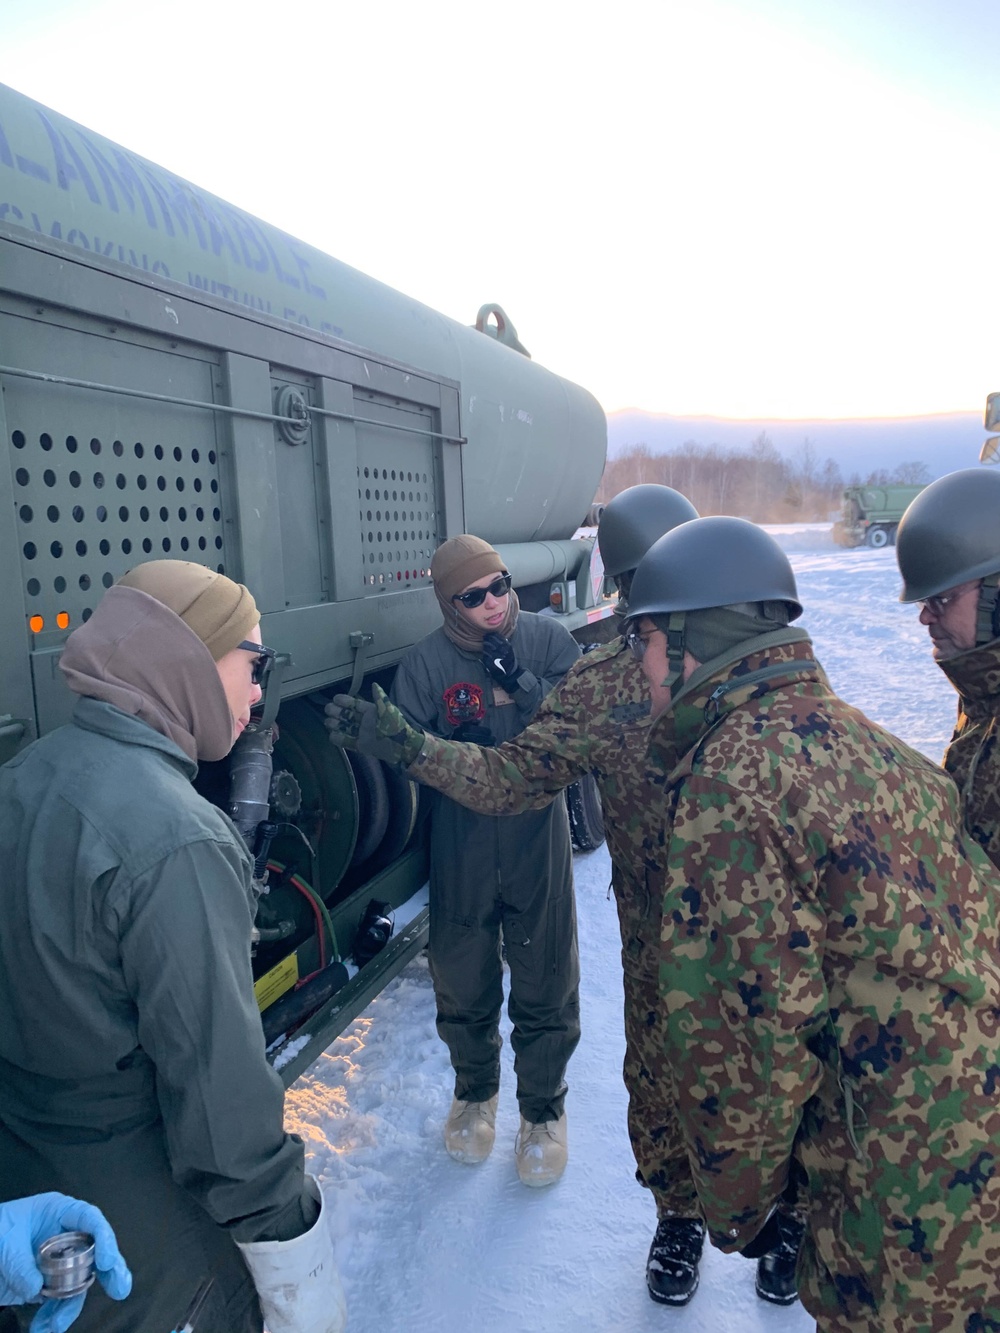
column 182, row 380
column 871, row 514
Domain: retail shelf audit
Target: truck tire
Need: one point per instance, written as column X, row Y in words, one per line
column 373, row 804
column 402, row 820
column 877, row 537
column 586, row 818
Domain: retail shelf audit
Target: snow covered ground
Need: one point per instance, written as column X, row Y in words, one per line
column 427, row 1244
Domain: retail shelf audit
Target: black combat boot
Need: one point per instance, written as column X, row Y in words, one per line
column 776, row 1269
column 672, row 1266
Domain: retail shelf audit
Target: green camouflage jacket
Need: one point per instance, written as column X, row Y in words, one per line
column 973, row 758
column 830, row 972
column 596, row 721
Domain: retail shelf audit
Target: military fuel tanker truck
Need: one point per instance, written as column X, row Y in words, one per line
column 181, row 380
column 870, row 514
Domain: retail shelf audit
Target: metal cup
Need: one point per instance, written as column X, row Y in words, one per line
column 67, row 1264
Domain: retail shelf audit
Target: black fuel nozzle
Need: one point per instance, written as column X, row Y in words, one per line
column 266, row 832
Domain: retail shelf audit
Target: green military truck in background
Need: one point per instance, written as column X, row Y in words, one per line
column 871, row 514
column 179, row 379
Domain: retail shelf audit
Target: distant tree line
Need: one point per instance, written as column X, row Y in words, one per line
column 904, row 474
column 756, row 482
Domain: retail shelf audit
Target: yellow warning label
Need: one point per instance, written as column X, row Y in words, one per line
column 281, row 977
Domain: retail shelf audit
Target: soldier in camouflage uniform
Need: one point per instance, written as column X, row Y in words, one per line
column 948, row 548
column 597, row 722
column 829, row 960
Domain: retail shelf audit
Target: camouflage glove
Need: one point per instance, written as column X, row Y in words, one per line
column 353, row 724
column 392, row 729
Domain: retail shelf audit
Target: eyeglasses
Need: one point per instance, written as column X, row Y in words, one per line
column 476, row 596
column 638, row 643
column 938, row 604
column 264, row 662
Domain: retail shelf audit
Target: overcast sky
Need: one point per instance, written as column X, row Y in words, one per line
column 739, row 207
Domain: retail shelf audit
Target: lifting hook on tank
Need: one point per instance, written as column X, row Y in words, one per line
column 503, row 329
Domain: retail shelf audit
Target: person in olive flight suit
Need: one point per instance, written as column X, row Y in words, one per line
column 482, row 676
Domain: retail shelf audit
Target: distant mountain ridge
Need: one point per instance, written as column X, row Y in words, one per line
column 944, row 442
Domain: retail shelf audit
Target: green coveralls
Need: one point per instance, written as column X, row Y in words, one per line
column 490, row 875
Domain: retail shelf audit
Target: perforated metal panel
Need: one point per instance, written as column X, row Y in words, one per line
column 398, row 499
column 399, row 526
column 89, row 508
column 101, row 481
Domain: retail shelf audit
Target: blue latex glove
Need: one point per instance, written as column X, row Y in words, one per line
column 24, row 1224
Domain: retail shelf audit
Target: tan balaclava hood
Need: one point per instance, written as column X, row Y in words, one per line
column 455, row 564
column 141, row 654
column 459, row 562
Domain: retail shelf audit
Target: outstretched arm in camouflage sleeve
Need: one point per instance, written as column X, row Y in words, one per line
column 594, row 721
column 742, row 979
column 528, row 772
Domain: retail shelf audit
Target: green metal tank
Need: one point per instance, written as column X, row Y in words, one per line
column 536, row 442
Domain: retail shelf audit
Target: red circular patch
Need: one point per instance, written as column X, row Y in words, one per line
column 463, row 702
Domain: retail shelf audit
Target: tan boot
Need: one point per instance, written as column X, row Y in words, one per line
column 540, row 1151
column 470, row 1130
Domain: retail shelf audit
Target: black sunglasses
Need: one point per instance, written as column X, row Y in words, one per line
column 500, row 587
column 264, row 662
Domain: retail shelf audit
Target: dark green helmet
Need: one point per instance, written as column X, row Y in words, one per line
column 713, row 562
column 634, row 519
column 950, row 534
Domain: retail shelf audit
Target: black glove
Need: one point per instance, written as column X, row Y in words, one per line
column 500, row 661
column 474, row 732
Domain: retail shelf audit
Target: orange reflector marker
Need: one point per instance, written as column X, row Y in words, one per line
column 36, row 624
column 62, row 620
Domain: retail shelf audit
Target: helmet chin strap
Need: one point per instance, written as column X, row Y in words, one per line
column 986, row 611
column 675, row 652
